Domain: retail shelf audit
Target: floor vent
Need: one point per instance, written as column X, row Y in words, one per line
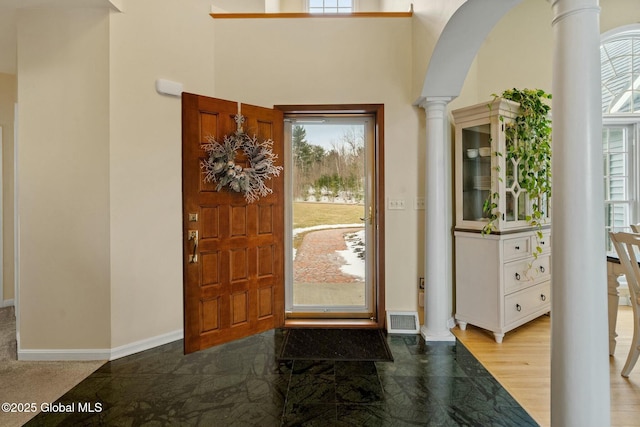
column 399, row 322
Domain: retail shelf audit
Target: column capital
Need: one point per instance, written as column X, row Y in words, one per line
column 427, row 101
column 563, row 8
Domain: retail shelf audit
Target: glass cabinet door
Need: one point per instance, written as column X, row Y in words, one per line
column 476, row 171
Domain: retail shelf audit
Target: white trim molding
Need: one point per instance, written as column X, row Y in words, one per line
column 63, row 354
column 99, row 353
column 6, row 303
column 145, row 344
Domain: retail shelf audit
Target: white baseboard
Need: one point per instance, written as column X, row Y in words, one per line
column 443, row 336
column 100, row 354
column 6, row 303
column 145, row 344
column 56, row 355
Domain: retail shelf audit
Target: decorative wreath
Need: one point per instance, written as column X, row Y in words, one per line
column 221, row 167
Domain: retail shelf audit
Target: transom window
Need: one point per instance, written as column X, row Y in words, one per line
column 620, row 63
column 330, row 6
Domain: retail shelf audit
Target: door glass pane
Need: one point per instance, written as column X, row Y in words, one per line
column 330, row 215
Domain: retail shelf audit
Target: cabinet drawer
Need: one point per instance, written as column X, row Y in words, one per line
column 544, row 243
column 517, row 247
column 526, row 302
column 519, row 274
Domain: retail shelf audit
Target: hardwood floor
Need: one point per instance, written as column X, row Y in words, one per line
column 522, row 365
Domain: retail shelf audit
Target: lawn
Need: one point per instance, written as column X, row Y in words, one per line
column 308, row 214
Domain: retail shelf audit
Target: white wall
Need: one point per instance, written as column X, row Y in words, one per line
column 173, row 40
column 63, row 89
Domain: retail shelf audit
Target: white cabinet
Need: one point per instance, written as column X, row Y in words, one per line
column 500, row 285
column 502, row 279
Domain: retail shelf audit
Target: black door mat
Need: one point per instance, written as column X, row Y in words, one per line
column 336, row 344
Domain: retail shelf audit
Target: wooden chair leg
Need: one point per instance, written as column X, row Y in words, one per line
column 631, row 361
column 634, row 352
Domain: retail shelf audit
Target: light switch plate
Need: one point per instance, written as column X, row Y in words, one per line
column 396, row 204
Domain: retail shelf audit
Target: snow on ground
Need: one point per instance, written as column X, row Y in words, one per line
column 354, row 255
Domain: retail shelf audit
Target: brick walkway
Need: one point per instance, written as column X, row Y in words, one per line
column 316, row 258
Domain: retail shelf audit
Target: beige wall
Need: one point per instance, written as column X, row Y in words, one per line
column 333, row 61
column 292, row 5
column 509, row 59
column 395, row 5
column 100, row 172
column 8, row 97
column 518, row 52
column 288, row 6
column 63, row 89
column 7, row 40
column 234, row 6
column 145, row 156
column 617, row 13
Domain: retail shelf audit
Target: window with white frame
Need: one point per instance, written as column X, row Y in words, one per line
column 617, row 143
column 620, row 63
column 330, row 6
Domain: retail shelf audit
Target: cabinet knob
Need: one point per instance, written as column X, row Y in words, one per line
column 517, row 276
column 517, row 248
column 518, row 307
column 543, row 297
column 541, row 269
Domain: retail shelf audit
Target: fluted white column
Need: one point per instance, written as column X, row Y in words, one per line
column 579, row 339
column 438, row 207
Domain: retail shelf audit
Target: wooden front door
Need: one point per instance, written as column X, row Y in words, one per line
column 232, row 250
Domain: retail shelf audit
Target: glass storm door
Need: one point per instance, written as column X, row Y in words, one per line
column 330, row 216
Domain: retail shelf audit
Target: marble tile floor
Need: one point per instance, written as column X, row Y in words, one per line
column 242, row 384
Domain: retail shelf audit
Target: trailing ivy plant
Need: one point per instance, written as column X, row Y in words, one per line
column 528, row 140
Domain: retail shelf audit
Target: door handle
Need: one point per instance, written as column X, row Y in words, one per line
column 368, row 218
column 193, row 236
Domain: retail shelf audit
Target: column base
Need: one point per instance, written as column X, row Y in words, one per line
column 444, row 336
